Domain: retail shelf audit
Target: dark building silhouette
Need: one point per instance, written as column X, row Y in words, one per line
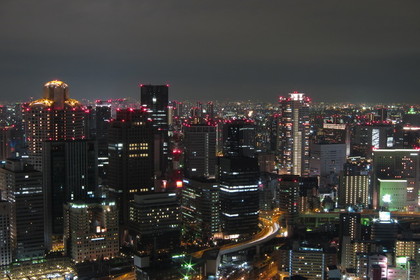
column 130, row 169
column 155, row 99
column 200, row 151
column 238, row 182
column 21, row 186
column 70, row 173
column 239, row 138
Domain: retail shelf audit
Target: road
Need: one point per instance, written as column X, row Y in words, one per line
column 270, row 228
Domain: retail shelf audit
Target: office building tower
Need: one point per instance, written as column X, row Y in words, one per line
column 350, row 225
column 130, row 169
column 238, row 181
column 353, row 189
column 210, row 110
column 5, row 145
column 308, row 194
column 6, row 234
column 54, row 117
column 91, row 230
column 155, row 99
column 70, row 173
column 332, row 133
column 21, row 186
column 288, row 196
column 200, row 209
column 293, row 134
column 367, row 137
column 307, row 261
column 239, row 138
column 395, row 167
column 327, row 160
column 155, row 224
column 200, row 151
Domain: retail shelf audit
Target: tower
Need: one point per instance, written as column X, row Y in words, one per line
column 130, row 169
column 200, row 151
column 239, row 196
column 155, row 99
column 239, row 138
column 293, row 134
column 70, row 173
column 22, row 188
column 54, row 117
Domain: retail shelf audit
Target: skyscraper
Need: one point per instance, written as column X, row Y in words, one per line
column 396, row 167
column 200, row 151
column 293, row 134
column 22, row 187
column 91, row 230
column 239, row 138
column 155, row 99
column 239, row 200
column 70, row 173
column 130, row 147
column 54, row 117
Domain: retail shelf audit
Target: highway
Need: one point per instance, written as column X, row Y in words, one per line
column 270, row 228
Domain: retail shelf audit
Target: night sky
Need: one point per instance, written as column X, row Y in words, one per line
column 356, row 51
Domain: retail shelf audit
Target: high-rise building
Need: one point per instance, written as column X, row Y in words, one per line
column 307, row 261
column 70, row 173
column 155, row 224
column 54, row 117
column 327, row 159
column 367, row 137
column 200, row 151
column 238, row 181
column 239, row 138
column 293, row 134
column 130, row 169
column 288, row 196
column 6, row 235
column 354, row 184
column 22, row 188
column 396, row 166
column 200, row 208
column 155, row 99
column 91, row 230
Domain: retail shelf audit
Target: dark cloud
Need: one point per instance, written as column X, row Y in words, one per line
column 358, row 51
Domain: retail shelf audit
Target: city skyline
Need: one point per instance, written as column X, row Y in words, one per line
column 351, row 52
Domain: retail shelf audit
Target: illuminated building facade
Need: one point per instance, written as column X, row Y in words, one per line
column 354, row 184
column 91, row 230
column 22, row 188
column 239, row 195
column 307, row 261
column 130, row 147
column 54, row 117
column 155, row 224
column 70, row 173
column 200, row 208
column 200, row 151
column 293, row 134
column 288, row 196
column 6, row 235
column 396, row 164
